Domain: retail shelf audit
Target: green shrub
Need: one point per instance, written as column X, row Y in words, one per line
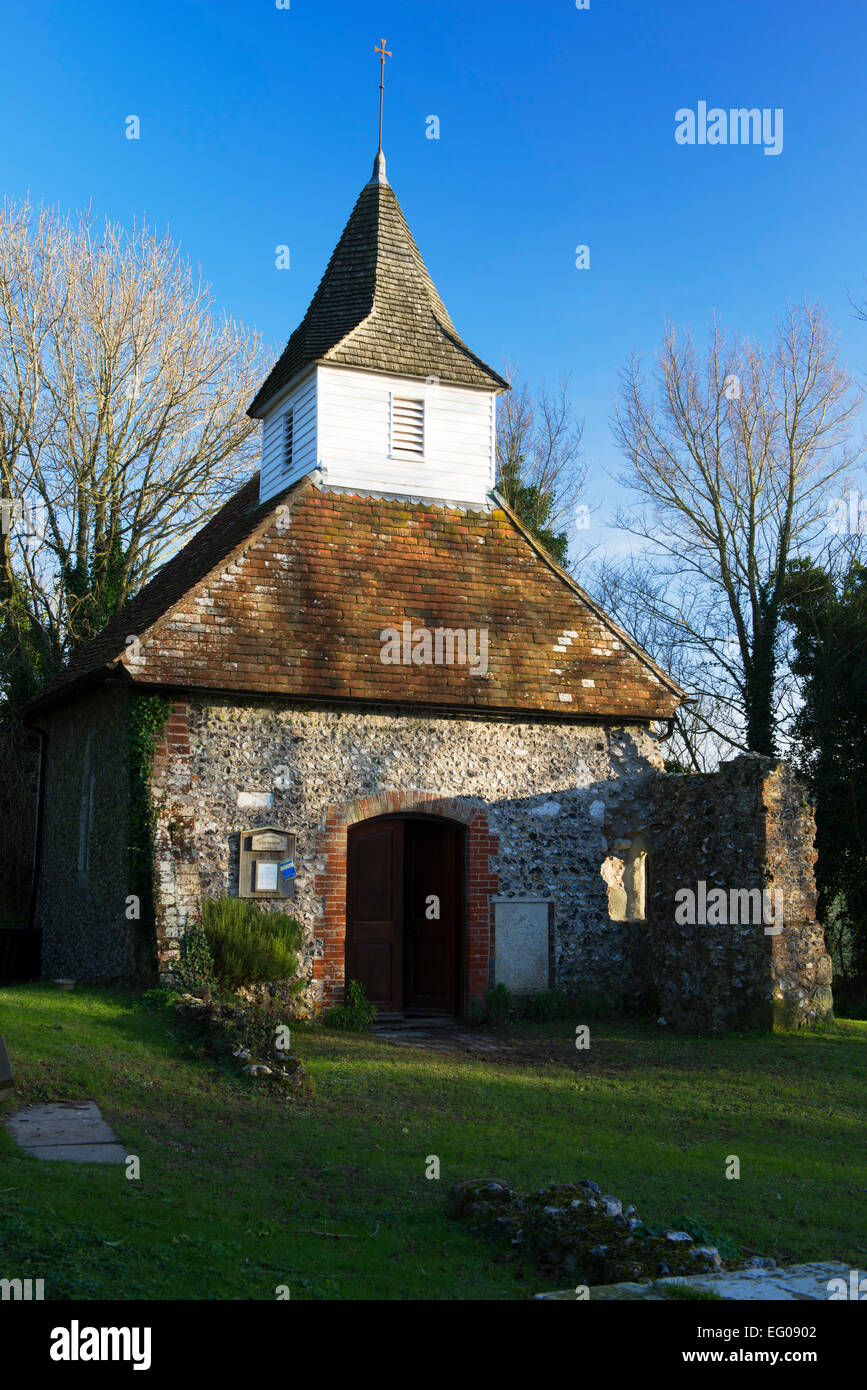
column 355, row 1015
column 498, row 1004
column 598, row 1006
column 494, row 1008
column 550, row 1004
column 195, row 968
column 160, row 997
column 249, row 946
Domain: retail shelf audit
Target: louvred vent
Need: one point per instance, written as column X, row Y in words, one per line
column 407, row 427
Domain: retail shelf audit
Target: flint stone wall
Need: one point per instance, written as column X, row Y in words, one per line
column 747, row 826
column 86, row 934
column 555, row 794
column 565, row 804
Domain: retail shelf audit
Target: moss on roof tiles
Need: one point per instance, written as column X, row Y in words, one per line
column 251, row 607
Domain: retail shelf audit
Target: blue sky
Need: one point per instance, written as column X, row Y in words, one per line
column 258, row 128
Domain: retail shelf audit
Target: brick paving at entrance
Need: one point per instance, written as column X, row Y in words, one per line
column 440, row 1040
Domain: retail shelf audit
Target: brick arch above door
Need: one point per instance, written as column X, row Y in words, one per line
column 329, row 969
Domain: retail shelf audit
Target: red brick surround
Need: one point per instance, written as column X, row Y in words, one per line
column 177, row 892
column 481, row 882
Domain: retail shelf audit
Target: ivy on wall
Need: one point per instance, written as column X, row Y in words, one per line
column 148, row 717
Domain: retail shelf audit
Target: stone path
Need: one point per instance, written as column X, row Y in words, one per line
column 787, row 1283
column 66, row 1129
column 438, row 1040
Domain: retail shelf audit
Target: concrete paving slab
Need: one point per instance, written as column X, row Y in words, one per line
column 60, row 1122
column 79, row 1153
column 820, row 1281
column 66, row 1129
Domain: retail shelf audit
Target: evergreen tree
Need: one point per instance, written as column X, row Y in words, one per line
column 828, row 617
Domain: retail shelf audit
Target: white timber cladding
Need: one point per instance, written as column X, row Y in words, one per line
column 301, row 401
column 288, row 427
column 344, row 423
column 367, row 422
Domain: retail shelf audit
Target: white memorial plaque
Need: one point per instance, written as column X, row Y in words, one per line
column 521, row 944
column 266, row 877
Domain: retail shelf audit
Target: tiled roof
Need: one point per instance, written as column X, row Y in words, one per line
column 376, row 308
column 290, row 598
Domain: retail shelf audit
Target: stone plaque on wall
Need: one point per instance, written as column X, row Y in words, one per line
column 269, row 840
column 523, row 944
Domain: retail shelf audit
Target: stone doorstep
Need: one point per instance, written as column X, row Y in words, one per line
column 787, row 1283
column 65, row 1130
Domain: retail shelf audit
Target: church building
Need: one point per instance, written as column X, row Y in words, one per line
column 390, row 712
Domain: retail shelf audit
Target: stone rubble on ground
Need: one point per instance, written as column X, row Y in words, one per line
column 577, row 1231
column 219, row 1025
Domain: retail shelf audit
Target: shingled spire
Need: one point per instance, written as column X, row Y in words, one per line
column 377, row 309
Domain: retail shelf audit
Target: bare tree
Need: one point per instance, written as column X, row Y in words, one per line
column 122, row 419
column 632, row 591
column 540, row 470
column 735, row 464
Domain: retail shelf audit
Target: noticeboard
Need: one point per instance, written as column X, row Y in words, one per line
column 264, row 853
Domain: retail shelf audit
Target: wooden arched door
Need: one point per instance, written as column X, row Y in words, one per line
column 404, row 912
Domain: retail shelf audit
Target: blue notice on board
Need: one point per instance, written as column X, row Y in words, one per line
column 287, row 869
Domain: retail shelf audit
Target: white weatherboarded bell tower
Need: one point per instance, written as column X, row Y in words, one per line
column 375, row 388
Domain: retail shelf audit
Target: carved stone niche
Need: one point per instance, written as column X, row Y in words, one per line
column 266, row 867
column 626, row 874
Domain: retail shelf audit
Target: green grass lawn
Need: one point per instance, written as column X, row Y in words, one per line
column 241, row 1193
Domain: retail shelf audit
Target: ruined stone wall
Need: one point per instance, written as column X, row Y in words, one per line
column 557, row 796
column 744, row 828
column 86, row 933
column 800, row 965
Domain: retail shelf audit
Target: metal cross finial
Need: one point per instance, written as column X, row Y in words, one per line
column 383, row 54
